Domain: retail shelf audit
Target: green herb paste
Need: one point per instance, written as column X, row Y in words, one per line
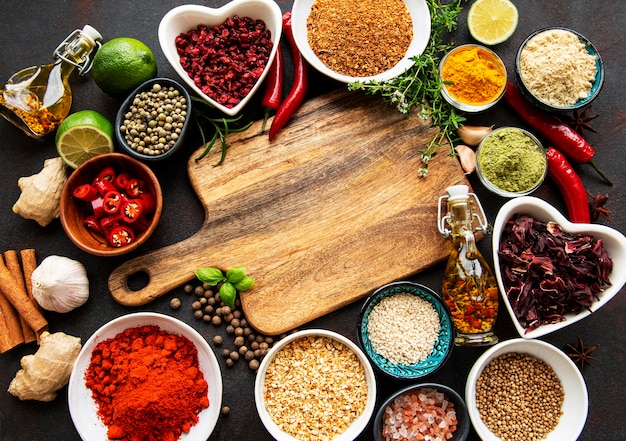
column 511, row 160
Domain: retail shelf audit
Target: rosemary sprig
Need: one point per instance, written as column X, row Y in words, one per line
column 221, row 128
column 420, row 85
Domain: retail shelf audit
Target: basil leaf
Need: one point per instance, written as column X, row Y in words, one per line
column 245, row 283
column 210, row 276
column 228, row 294
column 234, row 275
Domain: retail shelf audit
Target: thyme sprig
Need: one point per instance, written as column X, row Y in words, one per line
column 221, row 128
column 420, row 86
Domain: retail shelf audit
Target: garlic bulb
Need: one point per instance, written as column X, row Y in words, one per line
column 60, row 284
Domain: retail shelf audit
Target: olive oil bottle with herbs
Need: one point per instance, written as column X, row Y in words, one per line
column 469, row 286
column 37, row 99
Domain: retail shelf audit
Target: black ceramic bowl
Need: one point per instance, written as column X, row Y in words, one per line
column 460, row 408
column 121, row 131
column 596, row 84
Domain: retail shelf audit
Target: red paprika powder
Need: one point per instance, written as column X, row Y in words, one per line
column 147, row 384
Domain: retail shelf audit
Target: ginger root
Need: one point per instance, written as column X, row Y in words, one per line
column 48, row 370
column 41, row 193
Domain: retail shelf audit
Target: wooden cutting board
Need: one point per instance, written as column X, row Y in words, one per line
column 330, row 210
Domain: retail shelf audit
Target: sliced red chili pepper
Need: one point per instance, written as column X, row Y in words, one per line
column 121, row 235
column 103, row 186
column 148, row 201
column 97, row 207
column 567, row 140
column 273, row 86
column 571, row 186
column 106, row 174
column 121, row 180
column 85, row 192
column 134, row 187
column 131, row 210
column 142, row 223
column 92, row 224
column 108, row 222
column 300, row 82
column 112, row 202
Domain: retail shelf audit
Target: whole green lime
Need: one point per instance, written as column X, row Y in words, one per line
column 121, row 65
column 83, row 135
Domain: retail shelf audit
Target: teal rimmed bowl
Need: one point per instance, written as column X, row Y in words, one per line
column 442, row 348
column 540, row 101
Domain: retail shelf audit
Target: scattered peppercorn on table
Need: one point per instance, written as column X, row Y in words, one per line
column 29, row 33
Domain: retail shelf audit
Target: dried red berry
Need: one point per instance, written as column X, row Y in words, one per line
column 227, row 60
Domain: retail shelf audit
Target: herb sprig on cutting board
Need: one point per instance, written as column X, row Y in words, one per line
column 420, row 86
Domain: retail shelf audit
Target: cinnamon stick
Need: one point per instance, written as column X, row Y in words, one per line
column 25, row 306
column 13, row 264
column 10, row 326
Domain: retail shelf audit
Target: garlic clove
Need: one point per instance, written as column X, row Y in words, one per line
column 467, row 158
column 60, row 284
column 473, row 135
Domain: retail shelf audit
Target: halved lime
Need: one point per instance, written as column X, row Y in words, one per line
column 492, row 21
column 83, row 135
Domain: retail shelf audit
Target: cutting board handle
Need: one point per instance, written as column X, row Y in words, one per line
column 163, row 268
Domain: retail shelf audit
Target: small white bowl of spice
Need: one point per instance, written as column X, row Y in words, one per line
column 315, row 384
column 559, row 69
column 530, row 383
column 511, row 162
column 368, row 40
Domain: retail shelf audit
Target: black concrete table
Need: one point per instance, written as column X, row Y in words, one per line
column 30, row 32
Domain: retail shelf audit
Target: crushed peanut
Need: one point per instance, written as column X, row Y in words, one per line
column 315, row 387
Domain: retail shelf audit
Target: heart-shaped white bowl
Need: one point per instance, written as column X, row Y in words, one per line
column 187, row 17
column 420, row 15
column 614, row 242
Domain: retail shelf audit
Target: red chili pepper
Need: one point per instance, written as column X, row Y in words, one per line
column 131, row 210
column 148, row 202
column 559, row 134
column 85, row 192
column 112, row 202
column 97, row 207
column 108, row 222
column 571, row 186
column 273, row 86
column 92, row 224
column 103, row 186
column 106, row 174
column 120, row 236
column 300, row 82
column 134, row 187
column 121, row 181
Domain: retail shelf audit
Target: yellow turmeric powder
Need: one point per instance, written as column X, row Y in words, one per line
column 475, row 75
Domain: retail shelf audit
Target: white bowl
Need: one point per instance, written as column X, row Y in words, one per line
column 356, row 427
column 575, row 401
column 83, row 408
column 614, row 243
column 187, row 17
column 420, row 16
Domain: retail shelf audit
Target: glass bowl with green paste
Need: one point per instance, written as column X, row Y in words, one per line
column 511, row 162
column 473, row 77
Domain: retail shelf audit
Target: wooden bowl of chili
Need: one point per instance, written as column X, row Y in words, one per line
column 111, row 205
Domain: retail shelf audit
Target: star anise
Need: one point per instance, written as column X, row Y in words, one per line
column 581, row 121
column 597, row 206
column 582, row 355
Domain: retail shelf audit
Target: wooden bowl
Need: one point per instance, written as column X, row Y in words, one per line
column 75, row 211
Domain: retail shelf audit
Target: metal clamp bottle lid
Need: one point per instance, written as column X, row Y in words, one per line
column 88, row 37
column 459, row 194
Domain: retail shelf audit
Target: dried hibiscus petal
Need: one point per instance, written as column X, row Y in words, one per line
column 548, row 272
